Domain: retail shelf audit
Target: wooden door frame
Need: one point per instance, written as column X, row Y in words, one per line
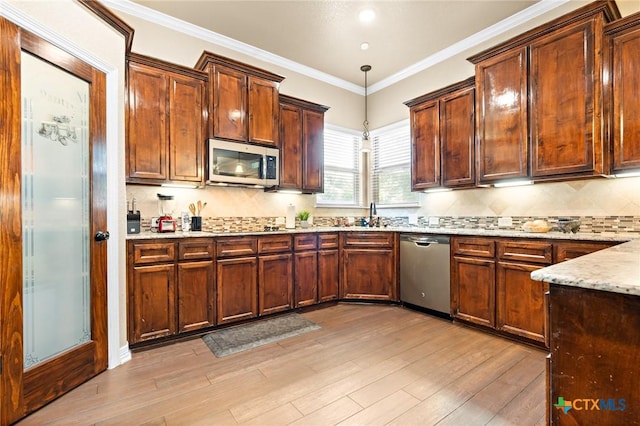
column 14, row 41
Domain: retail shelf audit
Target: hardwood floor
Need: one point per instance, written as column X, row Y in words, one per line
column 367, row 365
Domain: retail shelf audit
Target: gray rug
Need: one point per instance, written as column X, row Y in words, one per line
column 243, row 337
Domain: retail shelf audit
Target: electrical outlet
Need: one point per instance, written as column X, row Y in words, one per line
column 434, row 221
column 280, row 220
column 504, row 222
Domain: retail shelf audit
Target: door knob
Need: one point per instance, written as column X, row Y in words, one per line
column 101, row 236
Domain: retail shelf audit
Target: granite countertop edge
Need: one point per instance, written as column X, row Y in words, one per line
column 615, row 269
column 580, row 236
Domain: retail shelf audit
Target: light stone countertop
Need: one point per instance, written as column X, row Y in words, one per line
column 616, row 270
column 580, row 236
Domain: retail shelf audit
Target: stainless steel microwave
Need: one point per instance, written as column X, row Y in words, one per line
column 242, row 164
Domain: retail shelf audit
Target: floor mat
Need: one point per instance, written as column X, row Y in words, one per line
column 240, row 338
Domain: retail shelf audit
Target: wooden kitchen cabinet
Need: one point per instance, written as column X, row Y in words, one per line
column 306, row 269
column 567, row 250
column 473, row 284
column 328, row 266
column 275, row 274
column 196, row 284
column 566, row 100
column 501, row 116
column 170, row 286
column 621, row 53
column 369, row 266
column 543, row 89
column 520, row 306
column 166, row 113
column 243, row 100
column 301, row 145
column 443, row 137
column 236, row 279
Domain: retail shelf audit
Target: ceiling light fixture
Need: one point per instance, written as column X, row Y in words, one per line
column 365, row 146
column 364, row 46
column 367, row 15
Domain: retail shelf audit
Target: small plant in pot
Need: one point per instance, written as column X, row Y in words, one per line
column 304, row 217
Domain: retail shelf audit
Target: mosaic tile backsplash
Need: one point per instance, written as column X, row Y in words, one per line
column 256, row 224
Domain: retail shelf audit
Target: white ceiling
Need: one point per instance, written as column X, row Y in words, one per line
column 323, row 38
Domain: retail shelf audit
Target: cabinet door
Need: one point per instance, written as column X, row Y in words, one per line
column 290, row 147
column 369, row 274
column 275, row 277
column 473, row 290
column 306, row 278
column 520, row 301
column 457, row 136
column 425, row 146
column 229, row 107
column 186, row 129
column 328, row 275
column 195, row 295
column 501, row 108
column 313, row 151
column 263, row 111
column 565, row 101
column 625, row 129
column 237, row 285
column 152, row 311
column 147, row 110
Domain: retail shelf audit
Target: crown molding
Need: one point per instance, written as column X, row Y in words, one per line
column 217, row 39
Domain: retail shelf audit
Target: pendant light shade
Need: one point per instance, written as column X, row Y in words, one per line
column 365, row 145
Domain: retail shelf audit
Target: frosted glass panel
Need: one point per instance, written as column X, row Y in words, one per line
column 55, row 210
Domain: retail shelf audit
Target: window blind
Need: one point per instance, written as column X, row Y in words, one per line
column 341, row 168
column 392, row 166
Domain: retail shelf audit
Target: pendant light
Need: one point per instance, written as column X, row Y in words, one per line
column 365, row 145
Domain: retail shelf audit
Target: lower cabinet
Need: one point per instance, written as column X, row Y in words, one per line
column 171, row 287
column 369, row 266
column 196, row 295
column 328, row 267
column 275, row 281
column 491, row 282
column 306, row 269
column 237, row 280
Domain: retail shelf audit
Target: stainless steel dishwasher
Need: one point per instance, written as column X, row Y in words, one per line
column 424, row 271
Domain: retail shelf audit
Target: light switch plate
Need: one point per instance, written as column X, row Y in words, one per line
column 505, row 221
column 280, row 221
column 434, row 221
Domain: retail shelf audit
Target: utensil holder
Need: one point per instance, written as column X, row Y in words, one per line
column 196, row 223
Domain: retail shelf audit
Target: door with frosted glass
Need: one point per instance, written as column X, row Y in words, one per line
column 54, row 329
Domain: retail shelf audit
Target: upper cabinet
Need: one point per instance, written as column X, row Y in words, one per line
column 166, row 117
column 443, row 137
column 501, row 105
column 243, row 101
column 540, row 103
column 622, row 53
column 301, row 145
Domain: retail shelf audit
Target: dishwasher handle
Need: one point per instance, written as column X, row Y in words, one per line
column 425, row 241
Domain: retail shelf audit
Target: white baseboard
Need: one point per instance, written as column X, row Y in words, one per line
column 124, row 355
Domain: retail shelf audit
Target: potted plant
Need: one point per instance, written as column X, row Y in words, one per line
column 304, row 217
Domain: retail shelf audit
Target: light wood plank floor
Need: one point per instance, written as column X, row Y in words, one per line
column 367, row 365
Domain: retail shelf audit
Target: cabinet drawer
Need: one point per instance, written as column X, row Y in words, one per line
column 153, row 252
column 304, row 242
column 368, row 239
column 477, row 247
column 525, row 251
column 571, row 250
column 274, row 244
column 236, row 246
column 327, row 241
column 193, row 249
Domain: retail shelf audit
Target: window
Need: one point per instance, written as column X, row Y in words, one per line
column 341, row 168
column 392, row 166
